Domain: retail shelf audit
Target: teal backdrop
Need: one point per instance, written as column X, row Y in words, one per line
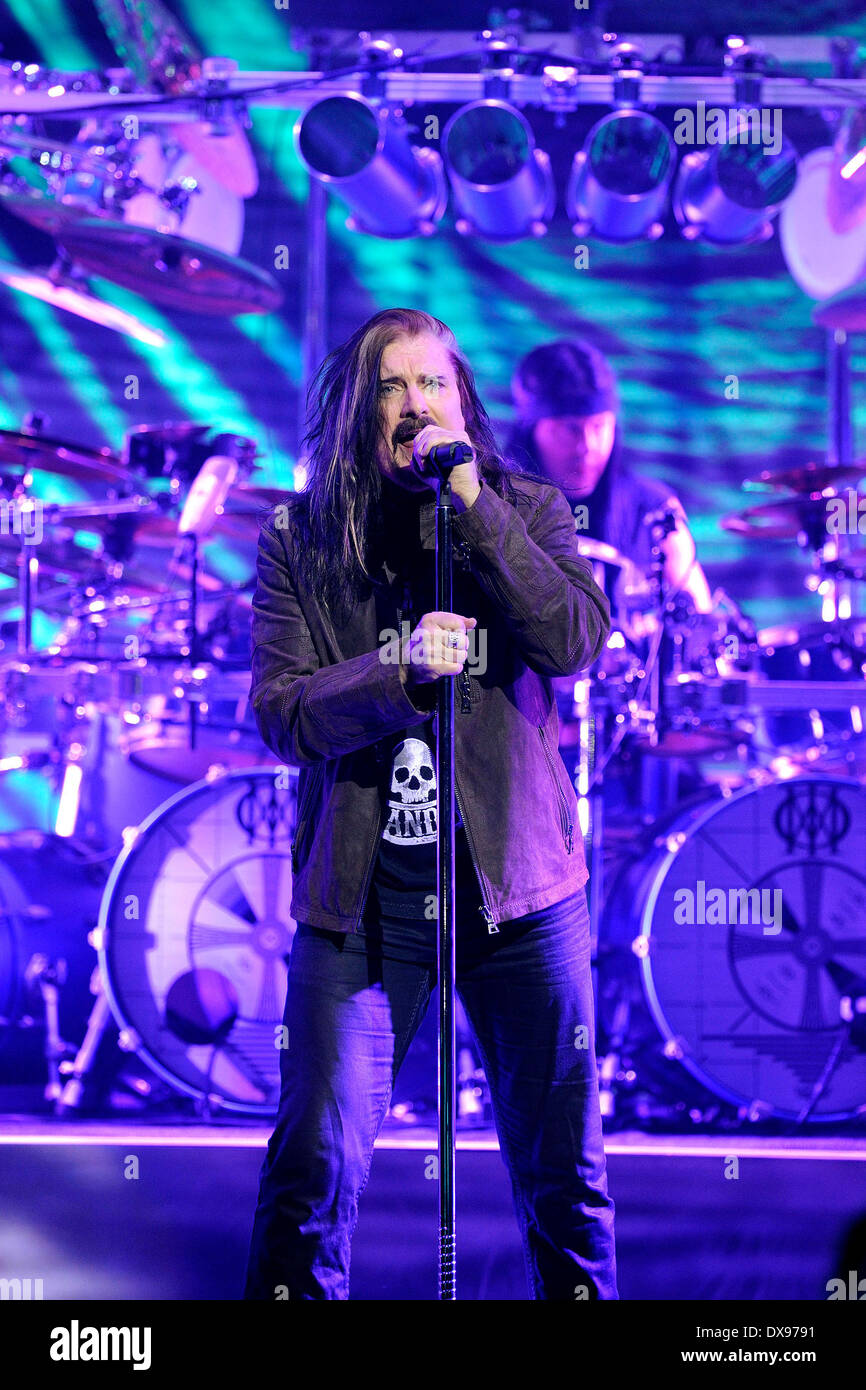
column 679, row 320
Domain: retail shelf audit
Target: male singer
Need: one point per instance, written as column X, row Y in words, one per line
column 340, row 570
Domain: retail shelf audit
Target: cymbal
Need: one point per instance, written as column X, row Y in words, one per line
column 776, row 521
column 253, row 497
column 238, row 520
column 64, row 556
column 161, row 266
column 170, row 269
column 813, row 634
column 79, row 301
column 809, row 478
column 845, row 310
column 38, row 453
column 36, row 207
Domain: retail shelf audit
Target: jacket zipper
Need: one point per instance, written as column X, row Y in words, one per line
column 492, row 929
column 566, row 824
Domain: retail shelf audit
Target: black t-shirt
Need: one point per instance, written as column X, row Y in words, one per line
column 404, row 878
column 405, row 872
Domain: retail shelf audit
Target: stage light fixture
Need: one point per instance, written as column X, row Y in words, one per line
column 730, row 194
column 362, row 154
column 618, row 186
column 502, row 185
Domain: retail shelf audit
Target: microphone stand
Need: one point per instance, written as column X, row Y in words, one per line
column 447, row 1094
column 437, row 468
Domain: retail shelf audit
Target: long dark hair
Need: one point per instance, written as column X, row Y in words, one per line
column 337, row 516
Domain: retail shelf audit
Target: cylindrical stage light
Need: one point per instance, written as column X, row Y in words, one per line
column 502, row 185
column 732, row 193
column 619, row 181
column 363, row 154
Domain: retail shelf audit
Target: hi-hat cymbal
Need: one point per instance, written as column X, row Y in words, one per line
column 808, row 478
column 38, row 453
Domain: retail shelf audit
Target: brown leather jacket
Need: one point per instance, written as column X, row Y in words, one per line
column 323, row 698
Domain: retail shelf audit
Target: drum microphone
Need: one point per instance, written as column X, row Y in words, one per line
column 207, row 494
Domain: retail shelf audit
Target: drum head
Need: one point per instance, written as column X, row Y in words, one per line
column 200, row 899
column 822, row 261
column 749, row 932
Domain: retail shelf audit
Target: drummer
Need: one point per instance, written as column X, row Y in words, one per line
column 568, row 429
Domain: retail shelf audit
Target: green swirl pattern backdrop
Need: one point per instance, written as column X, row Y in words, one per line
column 677, row 319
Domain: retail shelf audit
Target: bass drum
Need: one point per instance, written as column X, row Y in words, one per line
column 195, row 935
column 728, row 948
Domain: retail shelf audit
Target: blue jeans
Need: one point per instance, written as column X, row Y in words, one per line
column 353, row 1006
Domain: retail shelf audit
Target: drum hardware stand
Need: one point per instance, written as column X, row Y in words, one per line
column 588, row 788
column 656, row 777
column 77, row 1069
column 852, row 1011
column 25, row 598
column 661, row 524
column 192, row 631
column 609, row 1064
column 50, row 977
column 840, row 451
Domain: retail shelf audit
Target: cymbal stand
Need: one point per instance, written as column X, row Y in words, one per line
column 836, row 587
column 26, row 573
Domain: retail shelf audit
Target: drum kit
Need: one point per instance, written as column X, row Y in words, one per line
column 124, row 672
column 707, row 757
column 746, row 754
column 117, row 619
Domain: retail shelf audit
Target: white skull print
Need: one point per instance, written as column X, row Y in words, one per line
column 412, row 803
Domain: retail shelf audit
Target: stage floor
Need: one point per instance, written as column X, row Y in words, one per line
column 121, row 1210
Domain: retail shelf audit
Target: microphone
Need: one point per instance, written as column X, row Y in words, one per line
column 439, row 460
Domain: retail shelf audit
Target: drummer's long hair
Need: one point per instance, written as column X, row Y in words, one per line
column 337, row 517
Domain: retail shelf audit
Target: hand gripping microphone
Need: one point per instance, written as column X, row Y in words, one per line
column 439, row 460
